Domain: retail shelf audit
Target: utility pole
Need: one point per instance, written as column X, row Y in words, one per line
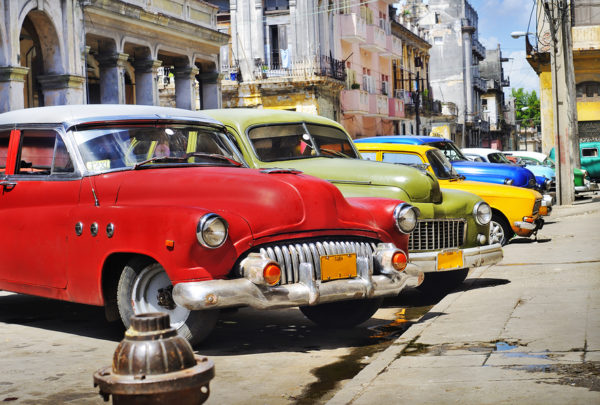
column 566, row 137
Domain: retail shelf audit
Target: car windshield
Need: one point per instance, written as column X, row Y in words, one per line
column 117, row 147
column 440, row 165
column 498, row 158
column 449, row 150
column 548, row 162
column 299, row 141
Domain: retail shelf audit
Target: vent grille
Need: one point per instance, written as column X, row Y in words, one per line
column 536, row 206
column 289, row 256
column 437, row 234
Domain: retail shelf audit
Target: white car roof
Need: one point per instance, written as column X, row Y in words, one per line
column 481, row 151
column 77, row 113
column 536, row 155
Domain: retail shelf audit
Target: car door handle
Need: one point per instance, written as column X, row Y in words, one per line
column 8, row 185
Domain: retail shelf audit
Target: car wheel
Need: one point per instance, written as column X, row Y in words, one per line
column 500, row 230
column 443, row 282
column 145, row 287
column 342, row 314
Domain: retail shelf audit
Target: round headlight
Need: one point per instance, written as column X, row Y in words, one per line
column 211, row 231
column 508, row 181
column 482, row 213
column 406, row 217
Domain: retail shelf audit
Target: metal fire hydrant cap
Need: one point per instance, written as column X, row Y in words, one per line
column 153, row 360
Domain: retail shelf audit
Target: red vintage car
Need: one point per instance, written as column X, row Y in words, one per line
column 144, row 209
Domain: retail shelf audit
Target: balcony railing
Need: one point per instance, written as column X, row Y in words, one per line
column 355, row 101
column 354, row 28
column 478, row 49
column 376, row 39
column 322, row 66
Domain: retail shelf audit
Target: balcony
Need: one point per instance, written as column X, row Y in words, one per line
column 478, row 49
column 353, row 28
column 480, row 84
column 393, row 47
column 376, row 39
column 396, row 108
column 378, row 106
column 355, row 102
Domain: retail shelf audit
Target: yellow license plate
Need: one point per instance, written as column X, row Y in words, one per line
column 335, row 267
column 450, row 260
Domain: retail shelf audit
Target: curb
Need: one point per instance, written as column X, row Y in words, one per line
column 360, row 382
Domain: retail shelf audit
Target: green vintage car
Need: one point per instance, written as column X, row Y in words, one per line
column 452, row 233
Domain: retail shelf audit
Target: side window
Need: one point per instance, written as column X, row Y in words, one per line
column 402, row 158
column 42, row 152
column 589, row 152
column 4, row 138
column 369, row 155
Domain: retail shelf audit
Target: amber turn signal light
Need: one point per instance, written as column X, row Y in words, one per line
column 399, row 261
column 272, row 274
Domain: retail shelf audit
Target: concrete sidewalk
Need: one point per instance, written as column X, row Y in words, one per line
column 524, row 331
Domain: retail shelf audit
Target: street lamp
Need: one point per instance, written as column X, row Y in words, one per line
column 518, row 34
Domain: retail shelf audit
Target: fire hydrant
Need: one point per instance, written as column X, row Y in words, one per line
column 153, row 365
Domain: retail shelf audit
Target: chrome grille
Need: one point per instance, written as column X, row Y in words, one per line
column 436, row 234
column 536, row 206
column 290, row 256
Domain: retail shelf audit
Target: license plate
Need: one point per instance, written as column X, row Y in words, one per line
column 335, row 267
column 450, row 260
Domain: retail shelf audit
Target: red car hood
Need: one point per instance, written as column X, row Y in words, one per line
column 270, row 203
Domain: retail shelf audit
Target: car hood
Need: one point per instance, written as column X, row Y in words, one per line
column 495, row 172
column 418, row 185
column 538, row 170
column 270, row 203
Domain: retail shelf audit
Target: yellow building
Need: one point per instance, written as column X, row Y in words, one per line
column 585, row 33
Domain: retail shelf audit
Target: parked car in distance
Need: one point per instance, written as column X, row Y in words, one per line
column 544, row 176
column 452, row 232
column 581, row 179
column 590, row 159
column 150, row 209
column 515, row 210
column 475, row 171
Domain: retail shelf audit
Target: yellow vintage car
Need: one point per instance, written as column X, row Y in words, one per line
column 515, row 210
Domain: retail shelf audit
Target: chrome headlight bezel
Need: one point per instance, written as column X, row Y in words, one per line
column 207, row 233
column 406, row 217
column 508, row 182
column 482, row 212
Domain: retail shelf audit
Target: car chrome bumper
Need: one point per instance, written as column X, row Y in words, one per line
column 427, row 262
column 530, row 226
column 238, row 292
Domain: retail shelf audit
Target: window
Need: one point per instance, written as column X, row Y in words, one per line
column 402, row 158
column 589, row 152
column 369, row 155
column 43, row 152
column 277, row 48
column 272, row 5
column 588, row 92
column 4, row 138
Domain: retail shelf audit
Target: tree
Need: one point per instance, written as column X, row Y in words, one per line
column 527, row 107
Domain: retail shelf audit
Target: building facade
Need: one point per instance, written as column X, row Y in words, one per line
column 501, row 134
column 106, row 51
column 584, row 25
column 351, row 61
column 454, row 62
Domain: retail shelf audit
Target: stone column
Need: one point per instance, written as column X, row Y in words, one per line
column 146, row 77
column 62, row 89
column 112, row 80
column 12, row 84
column 185, row 87
column 210, row 90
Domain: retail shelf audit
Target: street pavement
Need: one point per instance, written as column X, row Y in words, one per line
column 525, row 331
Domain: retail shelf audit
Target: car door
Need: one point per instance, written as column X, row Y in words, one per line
column 38, row 189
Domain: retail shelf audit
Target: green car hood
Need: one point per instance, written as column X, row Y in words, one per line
column 352, row 175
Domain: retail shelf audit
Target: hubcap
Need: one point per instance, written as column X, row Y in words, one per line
column 152, row 293
column 496, row 233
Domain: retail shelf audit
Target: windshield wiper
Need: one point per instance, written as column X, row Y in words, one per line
column 335, row 153
column 184, row 158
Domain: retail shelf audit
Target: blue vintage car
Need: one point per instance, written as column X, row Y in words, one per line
column 544, row 175
column 475, row 171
